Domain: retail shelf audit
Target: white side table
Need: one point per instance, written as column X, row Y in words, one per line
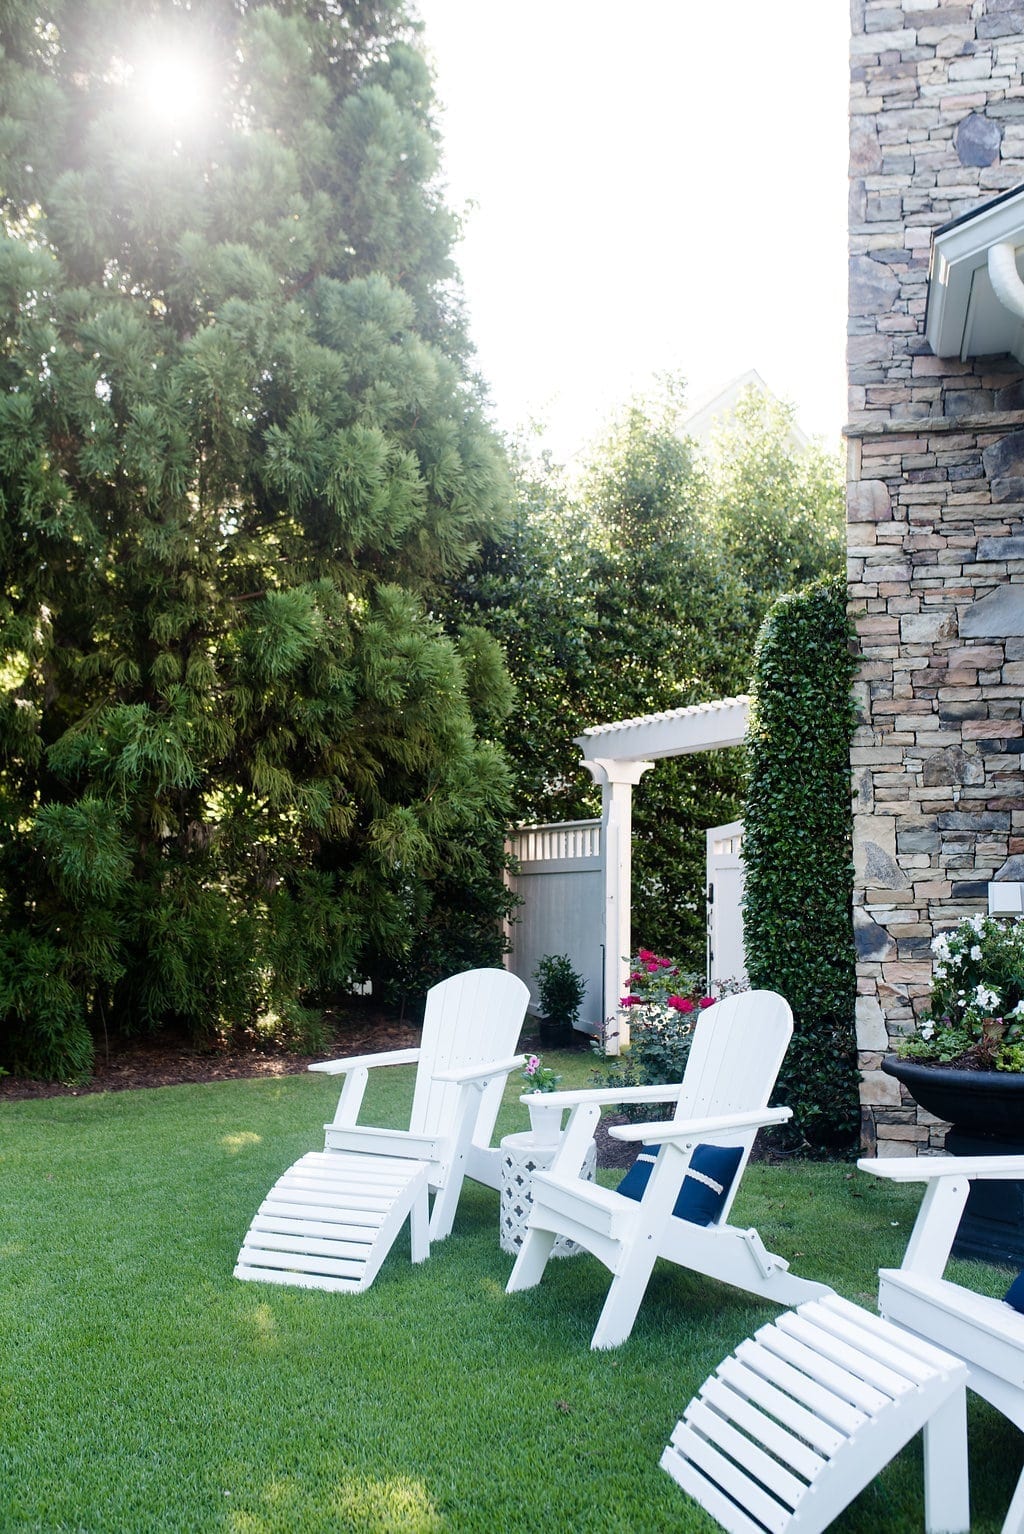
column 521, row 1156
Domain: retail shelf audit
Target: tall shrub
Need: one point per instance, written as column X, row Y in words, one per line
column 241, row 447
column 797, row 849
column 640, row 584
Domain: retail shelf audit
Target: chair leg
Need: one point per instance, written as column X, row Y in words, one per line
column 419, row 1226
column 946, row 1491
column 532, row 1260
column 1014, row 1520
column 446, row 1201
column 623, row 1300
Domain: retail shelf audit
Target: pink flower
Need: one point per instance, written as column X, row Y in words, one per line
column 531, row 1065
column 652, row 966
column 645, row 954
column 706, row 1001
column 628, row 1001
column 665, row 964
column 681, row 1003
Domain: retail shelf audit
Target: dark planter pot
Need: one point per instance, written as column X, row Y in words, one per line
column 986, row 1110
column 554, row 1035
column 983, row 1102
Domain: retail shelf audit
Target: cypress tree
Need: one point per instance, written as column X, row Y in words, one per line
column 240, row 450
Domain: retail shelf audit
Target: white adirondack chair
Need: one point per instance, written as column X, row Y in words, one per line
column 737, row 1049
column 332, row 1218
column 987, row 1334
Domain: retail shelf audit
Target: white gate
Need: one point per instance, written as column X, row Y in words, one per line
column 726, row 956
column 561, row 883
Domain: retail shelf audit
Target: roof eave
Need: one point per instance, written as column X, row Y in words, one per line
column 964, row 318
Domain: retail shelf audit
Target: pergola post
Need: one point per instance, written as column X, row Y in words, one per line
column 616, row 779
column 617, row 756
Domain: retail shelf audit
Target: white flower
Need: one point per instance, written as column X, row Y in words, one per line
column 986, row 997
column 940, row 945
column 939, row 972
column 927, row 1030
column 1018, row 1010
column 978, row 923
column 976, row 953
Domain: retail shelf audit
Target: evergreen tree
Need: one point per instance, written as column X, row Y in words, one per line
column 240, row 450
column 778, row 507
column 641, row 587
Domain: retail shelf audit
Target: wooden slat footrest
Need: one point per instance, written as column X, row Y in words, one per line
column 791, row 1427
column 330, row 1221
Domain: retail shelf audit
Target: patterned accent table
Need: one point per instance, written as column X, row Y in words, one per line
column 521, row 1156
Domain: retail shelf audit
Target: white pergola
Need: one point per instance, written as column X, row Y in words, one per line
column 617, row 756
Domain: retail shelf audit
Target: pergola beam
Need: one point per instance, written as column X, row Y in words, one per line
column 616, row 756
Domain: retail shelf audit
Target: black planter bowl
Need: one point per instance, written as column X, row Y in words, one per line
column 986, row 1111
column 981, row 1102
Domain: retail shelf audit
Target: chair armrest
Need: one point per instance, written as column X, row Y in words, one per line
column 687, row 1129
column 481, row 1072
column 929, row 1168
column 948, row 1182
column 365, row 1062
column 607, row 1096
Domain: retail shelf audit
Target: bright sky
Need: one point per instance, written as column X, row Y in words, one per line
column 654, row 187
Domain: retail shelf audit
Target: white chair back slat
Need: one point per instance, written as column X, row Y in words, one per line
column 469, row 1019
column 738, row 1047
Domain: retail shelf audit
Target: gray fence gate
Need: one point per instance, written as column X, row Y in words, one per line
column 561, row 884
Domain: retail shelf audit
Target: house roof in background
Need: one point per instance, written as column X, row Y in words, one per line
column 718, row 411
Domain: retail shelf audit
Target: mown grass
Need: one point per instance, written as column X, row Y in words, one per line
column 142, row 1388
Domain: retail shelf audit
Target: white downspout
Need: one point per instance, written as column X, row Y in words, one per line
column 1005, row 278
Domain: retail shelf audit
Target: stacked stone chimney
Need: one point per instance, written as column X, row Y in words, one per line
column 936, row 519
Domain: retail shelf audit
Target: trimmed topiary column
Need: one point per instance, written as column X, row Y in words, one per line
column 798, row 924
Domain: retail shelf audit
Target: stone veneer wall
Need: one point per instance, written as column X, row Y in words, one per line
column 936, row 519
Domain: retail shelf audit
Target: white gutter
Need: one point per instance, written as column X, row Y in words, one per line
column 1005, row 278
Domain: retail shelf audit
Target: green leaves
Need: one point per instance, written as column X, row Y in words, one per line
column 85, row 848
column 797, row 850
column 240, row 448
column 635, row 590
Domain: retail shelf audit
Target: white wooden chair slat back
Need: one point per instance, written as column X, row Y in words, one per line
column 470, row 1019
column 738, row 1047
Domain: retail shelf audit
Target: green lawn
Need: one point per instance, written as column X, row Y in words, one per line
column 143, row 1388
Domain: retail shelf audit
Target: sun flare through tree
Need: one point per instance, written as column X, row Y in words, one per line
column 240, row 446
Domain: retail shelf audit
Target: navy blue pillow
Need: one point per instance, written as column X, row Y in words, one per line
column 706, row 1184
column 1015, row 1294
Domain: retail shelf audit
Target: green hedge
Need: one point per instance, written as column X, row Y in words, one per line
column 798, row 923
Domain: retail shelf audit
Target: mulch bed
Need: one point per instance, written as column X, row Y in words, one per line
column 168, row 1062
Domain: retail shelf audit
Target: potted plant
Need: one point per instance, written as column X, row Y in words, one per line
column 965, row 1062
column 561, row 993
column 545, row 1118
